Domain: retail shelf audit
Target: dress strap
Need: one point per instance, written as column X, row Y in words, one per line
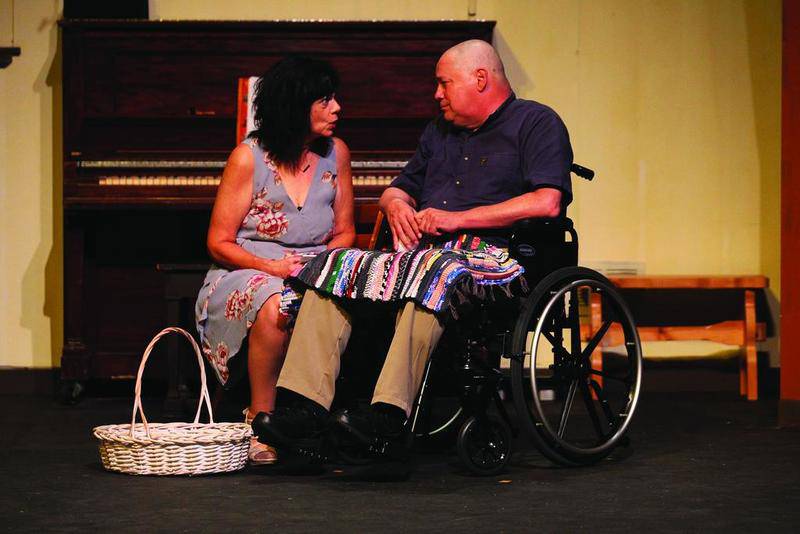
column 261, row 168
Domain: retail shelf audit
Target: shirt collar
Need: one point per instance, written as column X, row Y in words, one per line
column 495, row 115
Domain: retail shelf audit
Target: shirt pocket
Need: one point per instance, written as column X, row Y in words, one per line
column 497, row 174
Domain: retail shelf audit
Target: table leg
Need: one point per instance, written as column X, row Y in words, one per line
column 596, row 321
column 750, row 364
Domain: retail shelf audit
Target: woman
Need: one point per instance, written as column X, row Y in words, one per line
column 286, row 193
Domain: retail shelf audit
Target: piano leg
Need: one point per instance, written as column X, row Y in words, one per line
column 181, row 285
column 75, row 357
column 176, row 403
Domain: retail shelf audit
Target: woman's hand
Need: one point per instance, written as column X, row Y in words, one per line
column 285, row 267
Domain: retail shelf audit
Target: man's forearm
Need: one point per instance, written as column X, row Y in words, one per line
column 391, row 194
column 540, row 203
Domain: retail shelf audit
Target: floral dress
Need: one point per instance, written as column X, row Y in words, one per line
column 229, row 301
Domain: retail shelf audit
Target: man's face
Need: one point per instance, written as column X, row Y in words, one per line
column 455, row 92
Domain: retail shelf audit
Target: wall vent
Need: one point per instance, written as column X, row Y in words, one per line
column 616, row 268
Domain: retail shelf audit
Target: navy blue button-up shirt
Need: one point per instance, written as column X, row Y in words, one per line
column 522, row 146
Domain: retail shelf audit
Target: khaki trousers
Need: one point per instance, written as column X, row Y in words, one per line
column 321, row 334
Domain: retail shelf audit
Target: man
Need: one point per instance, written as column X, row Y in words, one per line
column 488, row 161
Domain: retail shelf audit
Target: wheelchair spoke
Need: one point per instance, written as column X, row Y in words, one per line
column 601, row 396
column 598, row 337
column 556, row 343
column 550, row 337
column 590, row 408
column 627, row 379
column 562, row 426
column 574, row 322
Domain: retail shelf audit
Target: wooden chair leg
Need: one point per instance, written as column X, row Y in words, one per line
column 750, row 366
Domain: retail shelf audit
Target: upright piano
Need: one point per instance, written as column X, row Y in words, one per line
column 149, row 118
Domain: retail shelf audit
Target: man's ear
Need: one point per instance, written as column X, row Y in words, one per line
column 483, row 79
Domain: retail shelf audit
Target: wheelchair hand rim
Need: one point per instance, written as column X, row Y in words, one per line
column 620, row 431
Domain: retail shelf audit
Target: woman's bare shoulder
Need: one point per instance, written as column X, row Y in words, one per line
column 239, row 168
column 342, row 150
column 241, row 156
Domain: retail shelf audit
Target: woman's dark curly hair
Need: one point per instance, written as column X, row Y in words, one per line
column 282, row 103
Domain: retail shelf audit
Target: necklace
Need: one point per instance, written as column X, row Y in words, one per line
column 306, row 164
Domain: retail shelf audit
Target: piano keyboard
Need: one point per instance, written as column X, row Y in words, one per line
column 372, row 180
column 161, row 164
column 160, row 180
column 358, row 180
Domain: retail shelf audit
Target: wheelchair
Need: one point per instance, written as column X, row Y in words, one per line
column 575, row 377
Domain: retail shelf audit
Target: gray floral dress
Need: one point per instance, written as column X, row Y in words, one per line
column 274, row 227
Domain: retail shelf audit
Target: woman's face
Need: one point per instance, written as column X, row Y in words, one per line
column 323, row 116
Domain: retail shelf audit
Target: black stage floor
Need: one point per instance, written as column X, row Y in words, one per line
column 698, row 461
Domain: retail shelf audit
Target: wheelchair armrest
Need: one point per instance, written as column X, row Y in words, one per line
column 540, row 225
column 541, row 231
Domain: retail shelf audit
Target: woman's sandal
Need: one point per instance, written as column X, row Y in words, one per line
column 259, row 453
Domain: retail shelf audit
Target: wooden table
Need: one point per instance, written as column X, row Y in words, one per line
column 743, row 331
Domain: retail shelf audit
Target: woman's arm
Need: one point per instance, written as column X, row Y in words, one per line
column 230, row 208
column 344, row 230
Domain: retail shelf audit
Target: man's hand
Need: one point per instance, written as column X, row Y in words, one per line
column 403, row 222
column 436, row 222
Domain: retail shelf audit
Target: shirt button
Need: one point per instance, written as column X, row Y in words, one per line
column 466, row 158
column 458, row 182
column 444, row 202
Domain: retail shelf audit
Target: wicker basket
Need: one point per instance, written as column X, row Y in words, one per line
column 173, row 448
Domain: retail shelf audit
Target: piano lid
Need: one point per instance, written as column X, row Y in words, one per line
column 166, row 91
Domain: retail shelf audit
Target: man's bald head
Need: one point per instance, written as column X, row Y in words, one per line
column 471, row 83
column 476, row 54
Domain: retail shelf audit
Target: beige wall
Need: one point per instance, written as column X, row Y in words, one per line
column 30, row 206
column 675, row 104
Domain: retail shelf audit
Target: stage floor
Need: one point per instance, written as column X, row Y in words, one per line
column 698, row 461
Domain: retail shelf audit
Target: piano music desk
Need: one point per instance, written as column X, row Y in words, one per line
column 739, row 327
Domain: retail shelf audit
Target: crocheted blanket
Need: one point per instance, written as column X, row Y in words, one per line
column 431, row 277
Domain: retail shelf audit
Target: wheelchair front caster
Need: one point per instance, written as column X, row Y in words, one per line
column 484, row 445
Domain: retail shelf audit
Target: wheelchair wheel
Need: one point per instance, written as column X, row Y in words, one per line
column 576, row 387
column 484, row 445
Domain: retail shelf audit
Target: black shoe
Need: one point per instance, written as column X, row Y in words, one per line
column 300, row 425
column 373, row 424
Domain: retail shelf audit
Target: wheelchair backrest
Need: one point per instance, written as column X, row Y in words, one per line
column 543, row 246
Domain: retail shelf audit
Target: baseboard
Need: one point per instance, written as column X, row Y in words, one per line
column 27, row 381
column 788, row 413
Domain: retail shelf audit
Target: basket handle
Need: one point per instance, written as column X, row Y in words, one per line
column 137, row 404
